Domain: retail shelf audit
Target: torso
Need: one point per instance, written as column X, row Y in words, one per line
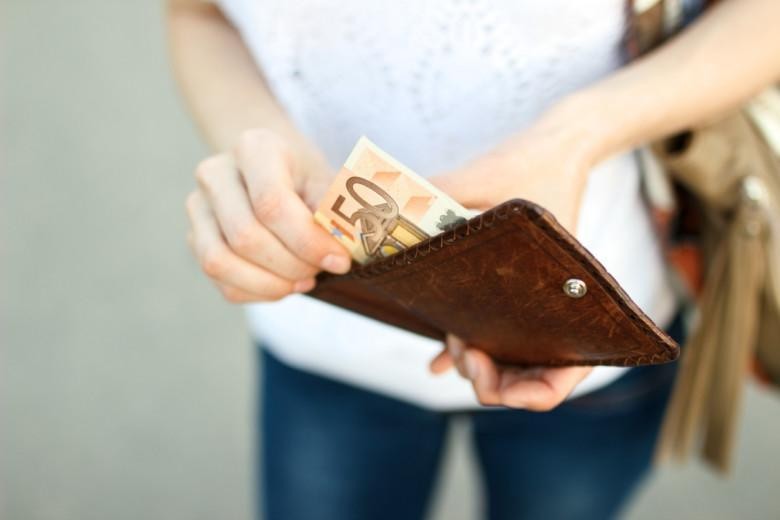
column 436, row 84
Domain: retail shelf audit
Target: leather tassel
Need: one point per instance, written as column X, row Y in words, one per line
column 685, row 410
column 708, row 392
column 736, row 342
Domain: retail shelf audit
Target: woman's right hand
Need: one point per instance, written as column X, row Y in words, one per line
column 251, row 229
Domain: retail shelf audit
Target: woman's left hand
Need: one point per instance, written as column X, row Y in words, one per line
column 547, row 164
column 538, row 389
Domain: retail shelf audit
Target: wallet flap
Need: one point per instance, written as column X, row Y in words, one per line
column 498, row 281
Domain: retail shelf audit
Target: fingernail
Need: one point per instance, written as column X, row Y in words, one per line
column 302, row 286
column 472, row 368
column 336, row 263
column 455, row 348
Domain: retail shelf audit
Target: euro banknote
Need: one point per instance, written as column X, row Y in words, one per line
column 376, row 206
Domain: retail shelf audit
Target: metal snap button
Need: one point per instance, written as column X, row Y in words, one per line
column 574, row 288
column 755, row 191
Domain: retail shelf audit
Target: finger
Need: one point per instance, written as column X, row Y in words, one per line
column 441, row 363
column 456, row 347
column 223, row 266
column 540, row 389
column 484, row 376
column 265, row 165
column 234, row 295
column 221, row 183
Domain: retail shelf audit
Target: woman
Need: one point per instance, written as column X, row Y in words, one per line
column 498, row 100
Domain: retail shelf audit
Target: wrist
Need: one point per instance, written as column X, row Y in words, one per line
column 585, row 127
column 574, row 136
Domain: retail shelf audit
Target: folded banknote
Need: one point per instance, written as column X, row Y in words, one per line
column 376, row 206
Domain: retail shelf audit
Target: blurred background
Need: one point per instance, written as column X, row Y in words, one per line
column 127, row 386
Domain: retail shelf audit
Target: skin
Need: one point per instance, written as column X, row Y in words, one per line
column 251, row 213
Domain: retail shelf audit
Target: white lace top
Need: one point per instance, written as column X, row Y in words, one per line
column 435, row 83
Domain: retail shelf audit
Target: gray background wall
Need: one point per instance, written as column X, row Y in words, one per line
column 126, row 384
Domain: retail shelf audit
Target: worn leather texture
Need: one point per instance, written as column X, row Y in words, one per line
column 497, row 282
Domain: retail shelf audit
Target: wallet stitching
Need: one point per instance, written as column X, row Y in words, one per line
column 410, row 256
column 393, row 274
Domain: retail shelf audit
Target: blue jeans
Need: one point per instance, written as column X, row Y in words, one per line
column 331, row 451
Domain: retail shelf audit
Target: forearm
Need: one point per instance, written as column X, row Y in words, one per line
column 220, row 82
column 723, row 59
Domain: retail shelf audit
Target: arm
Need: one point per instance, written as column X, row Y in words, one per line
column 252, row 227
column 724, row 58
column 224, row 89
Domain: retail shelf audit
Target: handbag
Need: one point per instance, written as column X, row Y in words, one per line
column 726, row 175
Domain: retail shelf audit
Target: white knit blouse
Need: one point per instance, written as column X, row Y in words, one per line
column 436, row 83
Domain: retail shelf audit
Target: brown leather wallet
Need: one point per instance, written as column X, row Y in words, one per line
column 512, row 282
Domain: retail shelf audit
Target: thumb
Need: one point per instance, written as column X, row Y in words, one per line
column 441, row 363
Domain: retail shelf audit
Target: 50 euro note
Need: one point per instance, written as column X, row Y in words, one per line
column 377, row 207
